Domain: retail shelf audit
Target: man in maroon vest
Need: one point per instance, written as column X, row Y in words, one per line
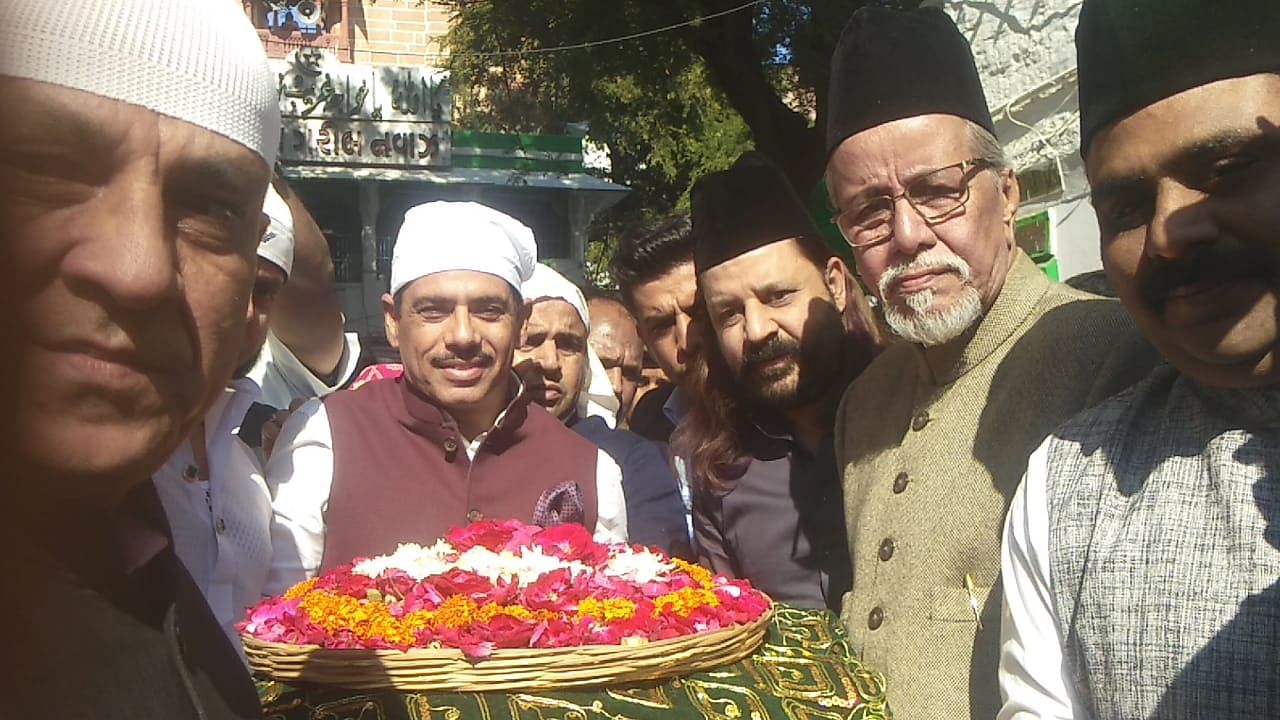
column 454, row 439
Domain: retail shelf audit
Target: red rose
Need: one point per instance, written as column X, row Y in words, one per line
column 571, row 541
column 492, row 534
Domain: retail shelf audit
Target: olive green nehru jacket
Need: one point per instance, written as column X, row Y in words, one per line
column 933, row 442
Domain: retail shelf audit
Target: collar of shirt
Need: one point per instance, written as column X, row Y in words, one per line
column 1254, row 409
column 676, row 406
column 1024, row 286
column 423, row 417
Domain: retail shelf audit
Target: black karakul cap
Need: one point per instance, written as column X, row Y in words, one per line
column 748, row 206
column 894, row 64
column 1134, row 53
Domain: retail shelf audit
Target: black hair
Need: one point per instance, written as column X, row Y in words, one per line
column 650, row 251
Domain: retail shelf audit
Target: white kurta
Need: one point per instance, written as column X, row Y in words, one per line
column 283, row 378
column 1032, row 683
column 221, row 526
column 300, row 476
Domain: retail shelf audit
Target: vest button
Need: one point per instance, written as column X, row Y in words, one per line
column 222, row 526
column 920, row 420
column 900, row 483
column 474, row 515
column 886, row 549
column 450, row 449
column 876, row 618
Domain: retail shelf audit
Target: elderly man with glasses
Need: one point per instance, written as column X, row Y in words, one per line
column 933, row 437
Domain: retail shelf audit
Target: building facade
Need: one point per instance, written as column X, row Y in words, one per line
column 1025, row 52
column 369, row 132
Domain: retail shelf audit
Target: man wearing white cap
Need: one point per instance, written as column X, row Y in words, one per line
column 562, row 373
column 305, row 353
column 138, row 141
column 454, row 439
column 213, row 488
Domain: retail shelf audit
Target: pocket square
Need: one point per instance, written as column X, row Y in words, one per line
column 559, row 505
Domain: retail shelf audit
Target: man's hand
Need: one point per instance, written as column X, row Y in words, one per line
column 271, row 428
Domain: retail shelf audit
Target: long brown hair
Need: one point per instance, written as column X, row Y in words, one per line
column 711, row 433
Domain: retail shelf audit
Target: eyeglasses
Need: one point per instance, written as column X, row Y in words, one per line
column 936, row 196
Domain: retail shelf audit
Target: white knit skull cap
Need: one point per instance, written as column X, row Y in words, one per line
column 597, row 396
column 276, row 245
column 199, row 61
column 443, row 235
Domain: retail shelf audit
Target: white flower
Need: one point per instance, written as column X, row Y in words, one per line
column 412, row 559
column 638, row 567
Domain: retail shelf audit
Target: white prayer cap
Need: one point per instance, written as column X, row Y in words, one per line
column 277, row 242
column 442, row 235
column 597, row 397
column 195, row 60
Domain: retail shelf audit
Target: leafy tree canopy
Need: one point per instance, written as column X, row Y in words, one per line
column 669, row 105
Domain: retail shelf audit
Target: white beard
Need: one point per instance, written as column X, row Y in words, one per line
column 922, row 323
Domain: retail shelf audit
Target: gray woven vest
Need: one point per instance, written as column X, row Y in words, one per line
column 1164, row 509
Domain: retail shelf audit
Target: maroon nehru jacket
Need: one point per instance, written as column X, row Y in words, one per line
column 401, row 472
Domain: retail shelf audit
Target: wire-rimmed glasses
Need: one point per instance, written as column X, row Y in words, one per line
column 935, row 195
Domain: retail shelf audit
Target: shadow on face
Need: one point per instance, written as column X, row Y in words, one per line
column 551, row 358
column 664, row 307
column 130, row 243
column 617, row 342
column 1186, row 195
column 779, row 321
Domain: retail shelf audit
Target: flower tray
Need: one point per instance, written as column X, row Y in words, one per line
column 506, row 669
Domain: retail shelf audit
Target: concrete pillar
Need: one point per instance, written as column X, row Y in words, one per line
column 372, row 284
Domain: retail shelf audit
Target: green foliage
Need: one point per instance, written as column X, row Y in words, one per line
column 669, row 106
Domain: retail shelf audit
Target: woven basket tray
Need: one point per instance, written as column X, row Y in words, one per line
column 505, row 669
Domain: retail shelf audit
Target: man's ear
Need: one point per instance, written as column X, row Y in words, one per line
column 391, row 320
column 836, row 277
column 1012, row 198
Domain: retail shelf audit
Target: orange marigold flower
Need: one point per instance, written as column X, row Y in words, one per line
column 300, row 589
column 682, row 602
column 702, row 575
column 608, row 610
column 456, row 612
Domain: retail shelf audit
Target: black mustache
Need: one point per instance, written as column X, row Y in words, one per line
column 482, row 359
column 773, row 350
column 1218, row 262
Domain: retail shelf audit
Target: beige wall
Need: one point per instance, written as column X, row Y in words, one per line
column 399, row 32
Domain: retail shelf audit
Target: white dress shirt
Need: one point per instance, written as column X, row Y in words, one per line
column 1032, row 684
column 283, row 378
column 300, row 475
column 221, row 527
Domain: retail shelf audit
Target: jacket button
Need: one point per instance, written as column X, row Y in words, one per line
column 920, row 420
column 900, row 483
column 450, row 449
column 474, row 515
column 876, row 618
column 886, row 549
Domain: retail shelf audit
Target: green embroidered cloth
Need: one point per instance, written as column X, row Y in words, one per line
column 803, row 671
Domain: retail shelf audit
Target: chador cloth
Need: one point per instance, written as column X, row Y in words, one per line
column 932, row 442
column 1142, row 560
column 364, row 470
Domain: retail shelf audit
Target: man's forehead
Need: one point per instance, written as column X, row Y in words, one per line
column 669, row 291
column 899, row 149
column 459, row 286
column 761, row 267
column 557, row 314
column 1202, row 121
column 43, row 116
